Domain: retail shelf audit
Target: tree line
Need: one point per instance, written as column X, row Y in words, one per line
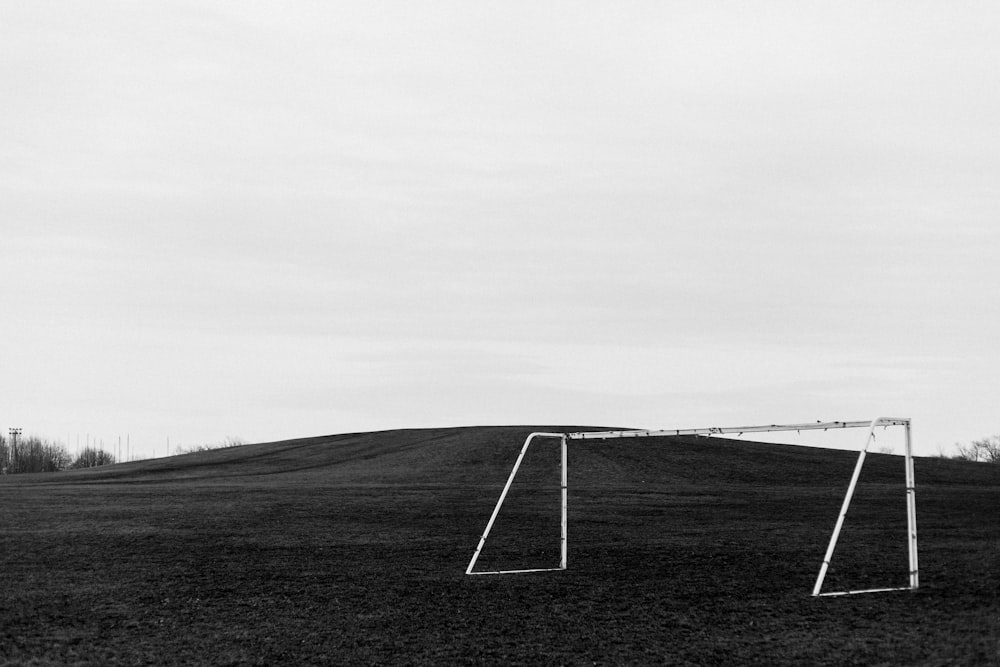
column 34, row 454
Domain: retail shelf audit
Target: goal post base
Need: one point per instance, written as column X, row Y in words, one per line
column 862, row 592
column 539, row 569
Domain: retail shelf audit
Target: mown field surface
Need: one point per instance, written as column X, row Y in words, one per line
column 351, row 549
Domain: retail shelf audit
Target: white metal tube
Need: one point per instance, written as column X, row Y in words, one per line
column 911, row 512
column 715, row 430
column 867, row 590
column 537, row 569
column 563, row 540
column 503, row 494
column 843, row 510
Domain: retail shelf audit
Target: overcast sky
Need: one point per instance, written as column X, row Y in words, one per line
column 273, row 220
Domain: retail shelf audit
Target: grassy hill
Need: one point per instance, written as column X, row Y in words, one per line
column 351, row 549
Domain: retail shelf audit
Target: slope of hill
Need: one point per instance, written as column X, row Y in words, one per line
column 476, row 454
column 351, row 549
column 400, row 455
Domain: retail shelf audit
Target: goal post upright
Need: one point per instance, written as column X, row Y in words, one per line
column 911, row 511
column 563, row 545
column 872, row 425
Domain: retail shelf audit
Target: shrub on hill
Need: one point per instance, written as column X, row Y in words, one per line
column 230, row 441
column 91, row 458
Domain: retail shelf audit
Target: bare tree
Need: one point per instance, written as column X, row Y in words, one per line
column 988, row 449
column 985, row 449
column 968, row 452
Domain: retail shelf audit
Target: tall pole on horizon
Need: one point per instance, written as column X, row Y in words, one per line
column 12, row 452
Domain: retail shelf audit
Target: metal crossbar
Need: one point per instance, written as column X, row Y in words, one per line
column 715, row 430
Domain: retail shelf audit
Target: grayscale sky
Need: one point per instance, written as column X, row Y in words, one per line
column 273, row 220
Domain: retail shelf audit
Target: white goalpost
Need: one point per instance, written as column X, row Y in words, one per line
column 872, row 425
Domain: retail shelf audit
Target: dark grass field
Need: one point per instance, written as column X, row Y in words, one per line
column 351, row 549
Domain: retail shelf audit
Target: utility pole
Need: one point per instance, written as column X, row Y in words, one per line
column 14, row 433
